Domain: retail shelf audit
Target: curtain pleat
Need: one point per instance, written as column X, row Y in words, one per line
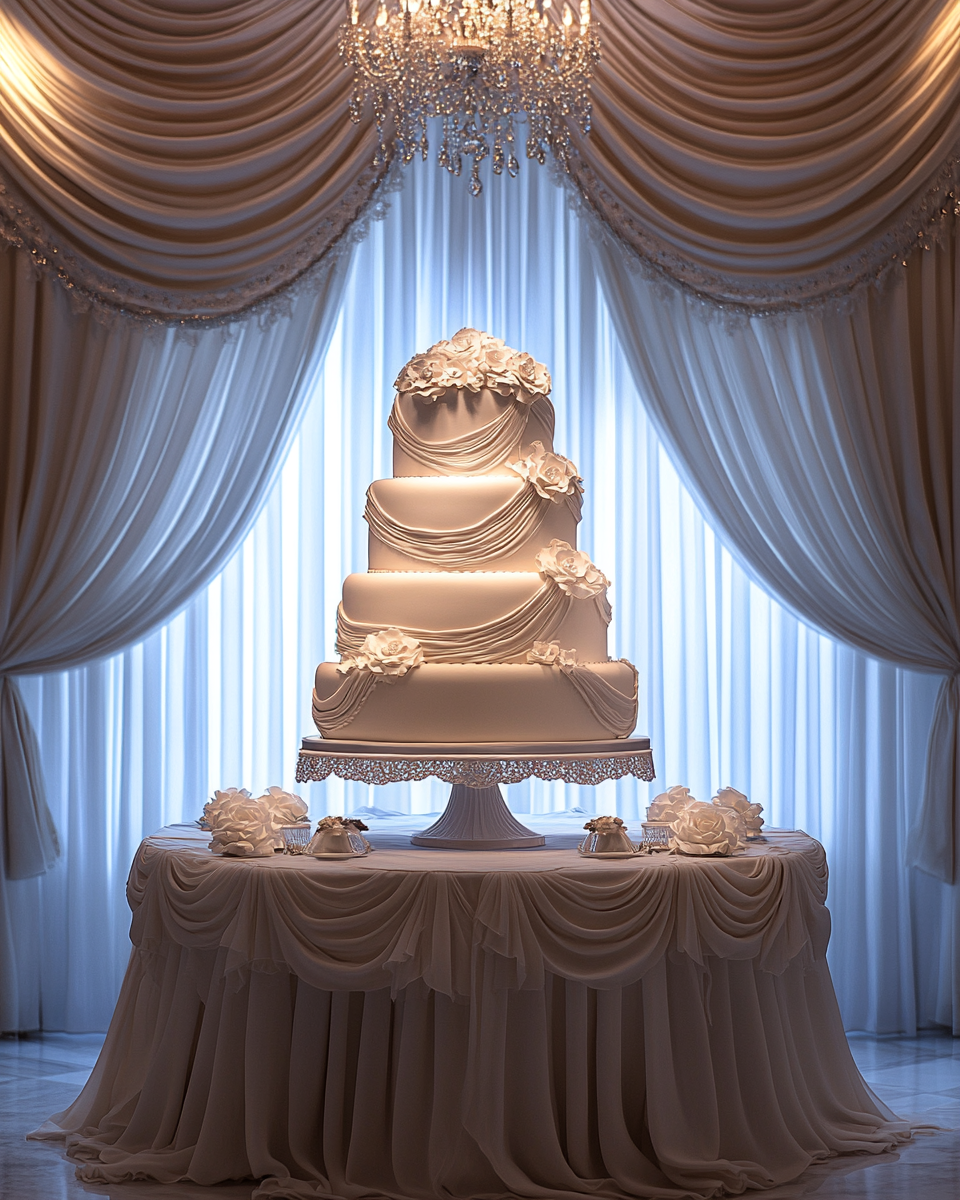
column 823, row 446
column 132, row 461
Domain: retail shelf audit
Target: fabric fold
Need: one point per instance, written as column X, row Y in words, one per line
column 29, row 836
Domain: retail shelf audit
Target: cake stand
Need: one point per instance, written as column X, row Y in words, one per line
column 476, row 816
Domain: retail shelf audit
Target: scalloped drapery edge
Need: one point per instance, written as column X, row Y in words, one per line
column 109, row 295
column 917, row 227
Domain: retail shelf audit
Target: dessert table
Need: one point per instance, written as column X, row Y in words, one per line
column 459, row 1024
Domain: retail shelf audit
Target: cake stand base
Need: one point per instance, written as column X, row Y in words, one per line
column 477, row 818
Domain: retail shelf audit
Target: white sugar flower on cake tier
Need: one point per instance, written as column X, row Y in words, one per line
column 553, row 477
column 248, row 829
column 288, row 807
column 534, row 378
column 217, row 806
column 390, row 652
column 729, row 797
column 549, row 654
column 573, row 571
column 700, row 829
column 668, row 805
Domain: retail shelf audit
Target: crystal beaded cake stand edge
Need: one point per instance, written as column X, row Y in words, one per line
column 476, row 816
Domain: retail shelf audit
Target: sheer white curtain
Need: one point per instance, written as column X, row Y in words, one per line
column 733, row 689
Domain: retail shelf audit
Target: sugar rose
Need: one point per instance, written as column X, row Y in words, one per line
column 389, row 652
column 425, row 376
column 533, row 377
column 471, row 343
column 706, row 829
column 550, row 655
column 551, row 475
column 573, row 571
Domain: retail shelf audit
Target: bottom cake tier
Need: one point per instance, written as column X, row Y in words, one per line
column 488, row 702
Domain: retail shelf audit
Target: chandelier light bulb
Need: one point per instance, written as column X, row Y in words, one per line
column 483, row 68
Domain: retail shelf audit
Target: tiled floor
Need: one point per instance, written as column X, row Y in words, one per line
column 917, row 1077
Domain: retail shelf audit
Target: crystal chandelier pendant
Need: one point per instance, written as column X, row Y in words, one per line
column 482, row 67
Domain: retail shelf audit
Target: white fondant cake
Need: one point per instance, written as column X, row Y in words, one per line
column 478, row 620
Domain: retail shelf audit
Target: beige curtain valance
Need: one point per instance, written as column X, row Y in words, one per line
column 192, row 160
column 767, row 153
column 183, row 159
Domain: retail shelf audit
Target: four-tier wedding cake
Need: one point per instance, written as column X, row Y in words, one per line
column 478, row 620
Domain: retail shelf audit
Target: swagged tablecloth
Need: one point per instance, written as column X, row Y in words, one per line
column 424, row 1023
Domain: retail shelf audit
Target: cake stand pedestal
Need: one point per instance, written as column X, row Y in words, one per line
column 476, row 816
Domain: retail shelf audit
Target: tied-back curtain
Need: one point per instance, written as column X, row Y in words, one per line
column 768, row 153
column 824, row 445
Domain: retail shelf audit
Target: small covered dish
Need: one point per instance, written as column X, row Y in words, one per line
column 338, row 837
column 606, row 838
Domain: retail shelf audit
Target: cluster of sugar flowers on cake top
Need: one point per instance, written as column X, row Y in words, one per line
column 389, row 652
column 552, row 476
column 549, row 654
column 572, row 570
column 472, row 360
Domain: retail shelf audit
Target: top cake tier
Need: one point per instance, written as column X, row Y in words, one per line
column 469, row 406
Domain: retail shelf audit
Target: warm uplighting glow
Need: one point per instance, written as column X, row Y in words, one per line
column 482, row 66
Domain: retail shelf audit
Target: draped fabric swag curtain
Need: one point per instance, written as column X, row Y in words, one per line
column 132, row 462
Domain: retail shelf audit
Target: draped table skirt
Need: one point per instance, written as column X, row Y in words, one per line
column 466, row 1025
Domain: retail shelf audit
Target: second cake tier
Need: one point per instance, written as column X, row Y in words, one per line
column 485, row 523
column 472, row 616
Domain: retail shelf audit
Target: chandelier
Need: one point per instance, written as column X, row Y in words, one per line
column 481, row 66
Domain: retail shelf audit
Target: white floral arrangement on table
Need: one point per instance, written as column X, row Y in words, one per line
column 700, row 829
column 290, row 808
column 219, row 803
column 390, row 653
column 552, row 476
column 668, row 805
column 572, row 570
column 472, row 360
column 549, row 654
column 729, row 797
column 249, row 828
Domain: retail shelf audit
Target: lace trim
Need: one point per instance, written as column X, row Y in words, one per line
column 112, row 295
column 473, row 453
column 496, row 641
column 316, row 766
column 499, row 535
column 612, row 709
column 919, row 226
